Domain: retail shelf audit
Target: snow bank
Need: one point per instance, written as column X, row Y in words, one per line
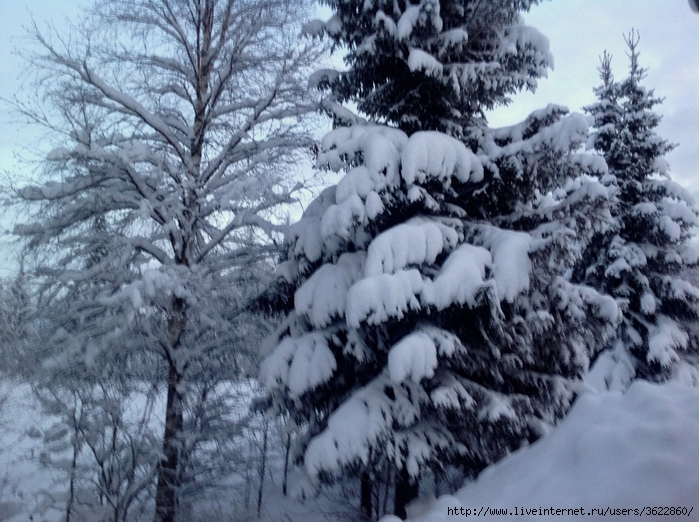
column 622, row 450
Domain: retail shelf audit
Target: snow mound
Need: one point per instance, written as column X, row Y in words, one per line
column 617, row 450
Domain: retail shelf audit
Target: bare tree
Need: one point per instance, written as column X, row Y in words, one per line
column 176, row 125
column 101, row 446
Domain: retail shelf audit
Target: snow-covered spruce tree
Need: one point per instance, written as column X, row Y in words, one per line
column 171, row 119
column 640, row 260
column 433, row 65
column 420, row 337
column 430, row 324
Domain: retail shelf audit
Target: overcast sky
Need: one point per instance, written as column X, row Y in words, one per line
column 579, row 31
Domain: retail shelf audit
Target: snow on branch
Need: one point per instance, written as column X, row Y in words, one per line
column 134, row 107
column 361, row 421
column 575, row 299
column 551, row 127
column 378, row 146
column 461, row 277
column 316, row 28
column 322, row 77
column 351, row 428
column 305, row 235
column 340, row 114
column 665, row 337
column 377, row 298
column 419, row 60
column 301, row 364
column 431, row 154
column 414, row 243
column 510, row 253
column 522, row 36
column 322, row 297
column 415, row 356
column 407, row 22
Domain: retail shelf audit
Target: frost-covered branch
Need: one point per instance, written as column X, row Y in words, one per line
column 175, row 125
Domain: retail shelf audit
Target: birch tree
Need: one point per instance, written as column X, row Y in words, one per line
column 175, row 123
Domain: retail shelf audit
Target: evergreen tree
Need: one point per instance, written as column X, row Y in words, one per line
column 640, row 260
column 433, row 65
column 430, row 322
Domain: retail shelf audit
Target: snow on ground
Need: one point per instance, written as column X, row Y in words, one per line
column 618, row 450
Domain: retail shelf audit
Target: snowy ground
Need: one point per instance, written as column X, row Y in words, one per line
column 633, row 450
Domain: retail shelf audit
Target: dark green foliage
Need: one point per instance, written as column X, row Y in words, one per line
column 641, row 258
column 483, row 54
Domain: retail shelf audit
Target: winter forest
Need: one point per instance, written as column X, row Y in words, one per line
column 283, row 269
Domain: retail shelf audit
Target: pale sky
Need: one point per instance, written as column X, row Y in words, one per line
column 579, row 31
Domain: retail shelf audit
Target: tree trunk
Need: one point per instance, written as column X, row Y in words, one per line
column 406, row 491
column 287, row 451
column 73, row 472
column 365, row 494
column 262, row 469
column 169, row 476
column 76, row 420
column 386, row 494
